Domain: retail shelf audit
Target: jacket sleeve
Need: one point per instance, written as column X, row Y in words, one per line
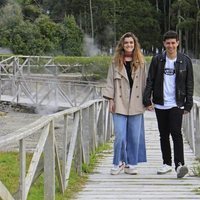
column 189, row 86
column 108, row 91
column 149, row 83
column 144, row 76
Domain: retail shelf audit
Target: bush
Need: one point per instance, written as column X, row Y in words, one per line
column 96, row 66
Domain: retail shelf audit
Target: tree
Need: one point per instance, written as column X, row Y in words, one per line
column 72, row 41
column 49, row 31
column 197, row 35
column 31, row 12
column 105, row 21
column 27, row 40
column 184, row 15
column 11, row 17
column 143, row 22
column 3, row 3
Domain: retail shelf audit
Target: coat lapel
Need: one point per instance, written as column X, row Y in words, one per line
column 123, row 73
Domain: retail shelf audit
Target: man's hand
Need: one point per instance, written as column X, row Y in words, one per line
column 150, row 108
column 185, row 112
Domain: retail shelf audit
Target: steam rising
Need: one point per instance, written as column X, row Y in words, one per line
column 90, row 48
column 46, row 110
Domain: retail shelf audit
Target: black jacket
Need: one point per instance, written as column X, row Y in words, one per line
column 184, row 81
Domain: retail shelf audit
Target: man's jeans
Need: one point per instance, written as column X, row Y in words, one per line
column 170, row 122
column 129, row 144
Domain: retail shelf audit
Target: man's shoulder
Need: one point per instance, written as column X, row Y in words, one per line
column 185, row 56
column 159, row 56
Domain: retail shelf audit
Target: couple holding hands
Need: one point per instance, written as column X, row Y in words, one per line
column 168, row 89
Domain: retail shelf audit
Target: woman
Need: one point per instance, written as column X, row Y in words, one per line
column 124, row 90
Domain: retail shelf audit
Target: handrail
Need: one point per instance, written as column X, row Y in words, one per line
column 191, row 127
column 39, row 81
column 84, row 129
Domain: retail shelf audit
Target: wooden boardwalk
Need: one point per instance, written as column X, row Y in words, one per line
column 147, row 184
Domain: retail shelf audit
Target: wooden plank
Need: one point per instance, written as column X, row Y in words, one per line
column 85, row 137
column 146, row 184
column 35, row 159
column 197, row 131
column 72, row 147
column 22, row 169
column 49, row 165
column 92, row 126
column 24, row 132
column 64, row 151
column 58, row 169
column 4, row 193
column 78, row 149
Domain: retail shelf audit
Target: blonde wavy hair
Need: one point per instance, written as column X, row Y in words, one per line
column 137, row 59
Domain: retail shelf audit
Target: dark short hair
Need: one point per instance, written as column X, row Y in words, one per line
column 170, row 35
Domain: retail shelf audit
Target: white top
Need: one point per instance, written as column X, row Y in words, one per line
column 169, row 85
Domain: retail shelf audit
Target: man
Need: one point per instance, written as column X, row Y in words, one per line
column 170, row 83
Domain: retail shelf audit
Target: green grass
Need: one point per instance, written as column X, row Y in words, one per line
column 196, row 172
column 196, row 167
column 9, row 176
column 9, row 168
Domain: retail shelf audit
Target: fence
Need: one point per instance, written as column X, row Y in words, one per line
column 38, row 81
column 191, row 128
column 85, row 128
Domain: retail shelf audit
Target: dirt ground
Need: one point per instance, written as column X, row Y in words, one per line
column 14, row 117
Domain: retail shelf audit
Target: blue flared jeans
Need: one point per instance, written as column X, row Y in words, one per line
column 129, row 143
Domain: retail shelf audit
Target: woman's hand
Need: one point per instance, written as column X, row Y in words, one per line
column 150, row 108
column 185, row 112
column 111, row 106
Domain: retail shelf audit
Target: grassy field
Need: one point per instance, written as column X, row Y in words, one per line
column 9, row 168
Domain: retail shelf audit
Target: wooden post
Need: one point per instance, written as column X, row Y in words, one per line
column 72, row 146
column 106, row 121
column 186, row 130
column 85, row 135
column 191, row 130
column 64, row 157
column 93, row 130
column 49, row 166
column 197, row 132
column 0, row 82
column 78, row 150
column 100, row 124
column 110, row 124
column 22, row 169
column 36, row 94
column 103, row 110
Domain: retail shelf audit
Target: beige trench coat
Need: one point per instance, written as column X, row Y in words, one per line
column 118, row 89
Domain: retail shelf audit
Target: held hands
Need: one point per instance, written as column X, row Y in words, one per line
column 185, row 112
column 150, row 108
column 111, row 106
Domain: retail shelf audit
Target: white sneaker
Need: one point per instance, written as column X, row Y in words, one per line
column 116, row 169
column 182, row 170
column 164, row 169
column 130, row 170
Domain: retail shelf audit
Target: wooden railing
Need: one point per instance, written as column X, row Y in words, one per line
column 39, row 81
column 84, row 128
column 191, row 128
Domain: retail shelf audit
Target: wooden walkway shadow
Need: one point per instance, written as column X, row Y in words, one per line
column 147, row 184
